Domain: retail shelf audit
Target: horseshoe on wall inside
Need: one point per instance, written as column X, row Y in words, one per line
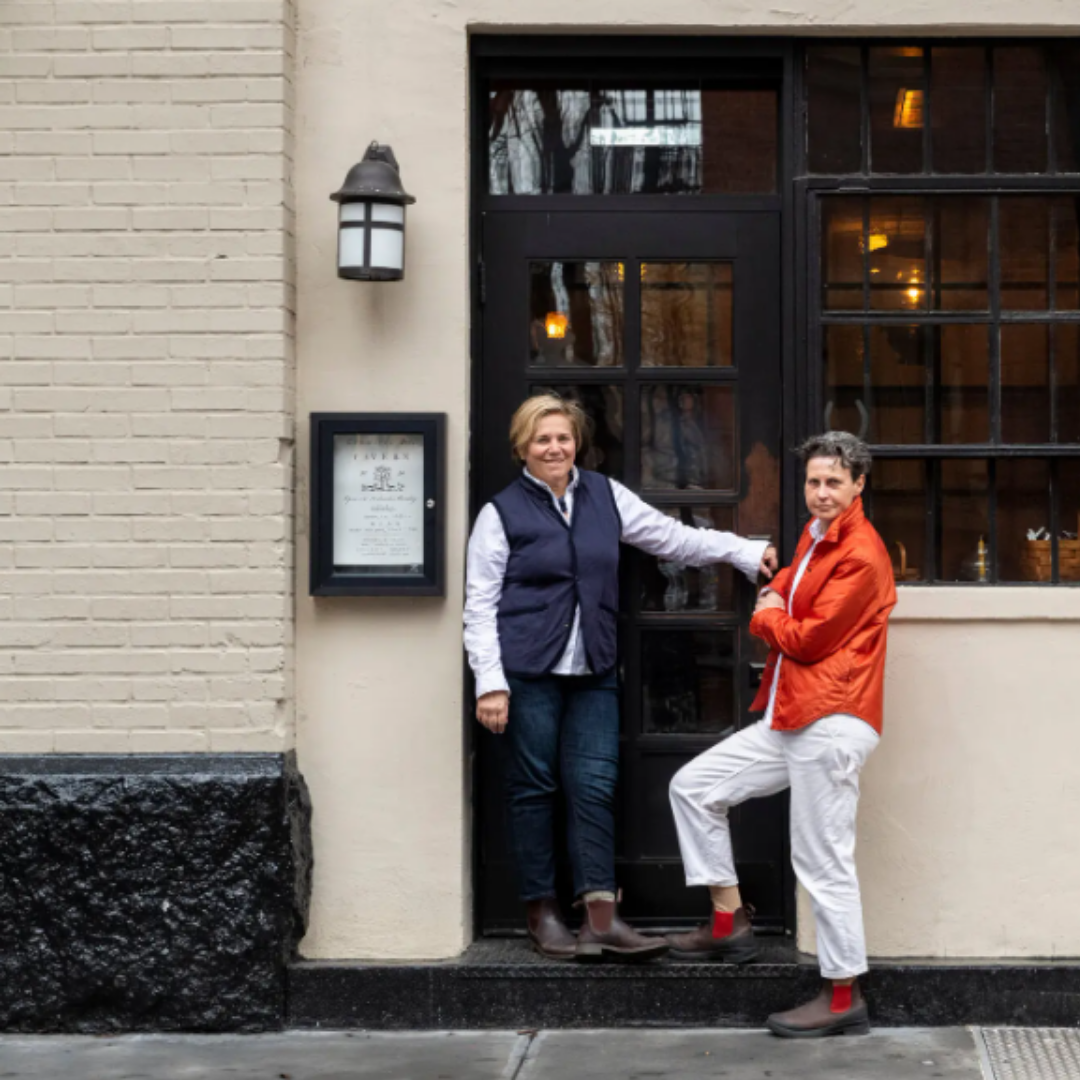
column 864, row 417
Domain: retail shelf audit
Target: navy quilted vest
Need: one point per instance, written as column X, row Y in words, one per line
column 553, row 568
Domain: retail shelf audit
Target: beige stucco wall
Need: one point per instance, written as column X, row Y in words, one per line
column 969, row 805
column 379, row 707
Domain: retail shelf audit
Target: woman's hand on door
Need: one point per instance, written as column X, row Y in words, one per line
column 493, row 711
column 769, row 563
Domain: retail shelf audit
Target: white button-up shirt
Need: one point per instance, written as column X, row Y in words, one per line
column 643, row 526
column 817, row 531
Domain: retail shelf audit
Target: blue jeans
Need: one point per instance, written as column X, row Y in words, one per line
column 563, row 728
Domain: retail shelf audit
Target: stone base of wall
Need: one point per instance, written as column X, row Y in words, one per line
column 150, row 893
column 501, row 984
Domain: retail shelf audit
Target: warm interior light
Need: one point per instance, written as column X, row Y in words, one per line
column 914, row 294
column 908, row 112
column 622, row 271
column 555, row 324
column 874, row 242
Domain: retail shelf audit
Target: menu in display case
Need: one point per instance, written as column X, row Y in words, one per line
column 377, row 504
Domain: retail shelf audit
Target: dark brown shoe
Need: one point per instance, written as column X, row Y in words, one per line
column 547, row 931
column 604, row 936
column 817, row 1019
column 721, row 941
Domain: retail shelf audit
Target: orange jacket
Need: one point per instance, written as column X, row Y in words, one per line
column 833, row 642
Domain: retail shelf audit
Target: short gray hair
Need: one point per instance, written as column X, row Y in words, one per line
column 841, row 446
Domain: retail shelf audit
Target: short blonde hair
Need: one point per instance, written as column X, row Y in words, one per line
column 532, row 410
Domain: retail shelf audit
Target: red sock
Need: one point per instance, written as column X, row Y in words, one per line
column 723, row 922
column 841, row 998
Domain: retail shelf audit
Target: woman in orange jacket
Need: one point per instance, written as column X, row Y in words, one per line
column 825, row 619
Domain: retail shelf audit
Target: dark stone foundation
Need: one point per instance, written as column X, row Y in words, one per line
column 501, row 984
column 150, row 893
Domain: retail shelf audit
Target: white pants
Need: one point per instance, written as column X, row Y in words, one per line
column 821, row 765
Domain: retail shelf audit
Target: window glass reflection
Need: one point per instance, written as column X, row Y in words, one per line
column 1063, row 63
column 1066, row 339
column 1067, row 253
column 961, row 264
column 964, row 520
column 897, row 109
column 897, row 498
column 1024, row 231
column 958, row 115
column 686, row 312
column 834, row 88
column 576, row 314
column 1068, row 486
column 688, row 437
column 596, row 138
column 687, row 682
column 538, row 139
column 1019, row 109
column 897, row 253
column 842, row 253
column 1025, row 383
column 962, row 384
column 897, row 384
column 674, row 587
column 845, row 409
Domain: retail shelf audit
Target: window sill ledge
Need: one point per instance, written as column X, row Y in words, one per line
column 994, row 603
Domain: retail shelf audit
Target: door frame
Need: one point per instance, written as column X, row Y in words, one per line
column 556, row 55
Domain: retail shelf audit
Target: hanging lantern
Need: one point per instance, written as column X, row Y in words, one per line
column 371, row 219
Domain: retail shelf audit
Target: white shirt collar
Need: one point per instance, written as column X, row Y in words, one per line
column 540, row 483
column 817, row 528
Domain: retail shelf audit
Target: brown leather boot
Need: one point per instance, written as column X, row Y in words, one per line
column 547, row 931
column 832, row 1012
column 726, row 939
column 606, row 937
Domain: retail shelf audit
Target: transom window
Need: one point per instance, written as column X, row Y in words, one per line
column 614, row 137
column 945, row 314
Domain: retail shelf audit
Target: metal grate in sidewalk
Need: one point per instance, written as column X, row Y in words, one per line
column 1031, row 1053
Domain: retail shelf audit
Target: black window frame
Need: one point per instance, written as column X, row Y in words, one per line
column 812, row 189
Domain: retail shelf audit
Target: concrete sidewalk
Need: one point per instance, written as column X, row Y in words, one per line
column 634, row 1054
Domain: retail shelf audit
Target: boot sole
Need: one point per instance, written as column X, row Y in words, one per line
column 569, row 955
column 599, row 954
column 853, row 1027
column 709, row 956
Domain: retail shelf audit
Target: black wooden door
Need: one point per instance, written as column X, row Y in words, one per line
column 665, row 325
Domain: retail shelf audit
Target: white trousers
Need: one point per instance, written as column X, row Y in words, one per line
column 821, row 765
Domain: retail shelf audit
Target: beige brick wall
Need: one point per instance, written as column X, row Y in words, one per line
column 146, row 375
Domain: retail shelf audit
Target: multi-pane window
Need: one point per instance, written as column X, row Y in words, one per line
column 946, row 309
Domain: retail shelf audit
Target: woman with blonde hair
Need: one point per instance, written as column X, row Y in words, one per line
column 540, row 630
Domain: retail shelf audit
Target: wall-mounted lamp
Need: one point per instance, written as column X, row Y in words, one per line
column 371, row 219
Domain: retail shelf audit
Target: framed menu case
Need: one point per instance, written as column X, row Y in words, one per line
column 377, row 504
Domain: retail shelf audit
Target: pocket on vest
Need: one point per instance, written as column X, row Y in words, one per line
column 522, row 611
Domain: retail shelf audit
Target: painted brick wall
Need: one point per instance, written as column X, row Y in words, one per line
column 146, row 375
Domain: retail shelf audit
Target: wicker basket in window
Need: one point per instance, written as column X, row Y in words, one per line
column 1035, row 560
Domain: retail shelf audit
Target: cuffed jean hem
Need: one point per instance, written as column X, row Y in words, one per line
column 843, row 974
column 610, row 887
